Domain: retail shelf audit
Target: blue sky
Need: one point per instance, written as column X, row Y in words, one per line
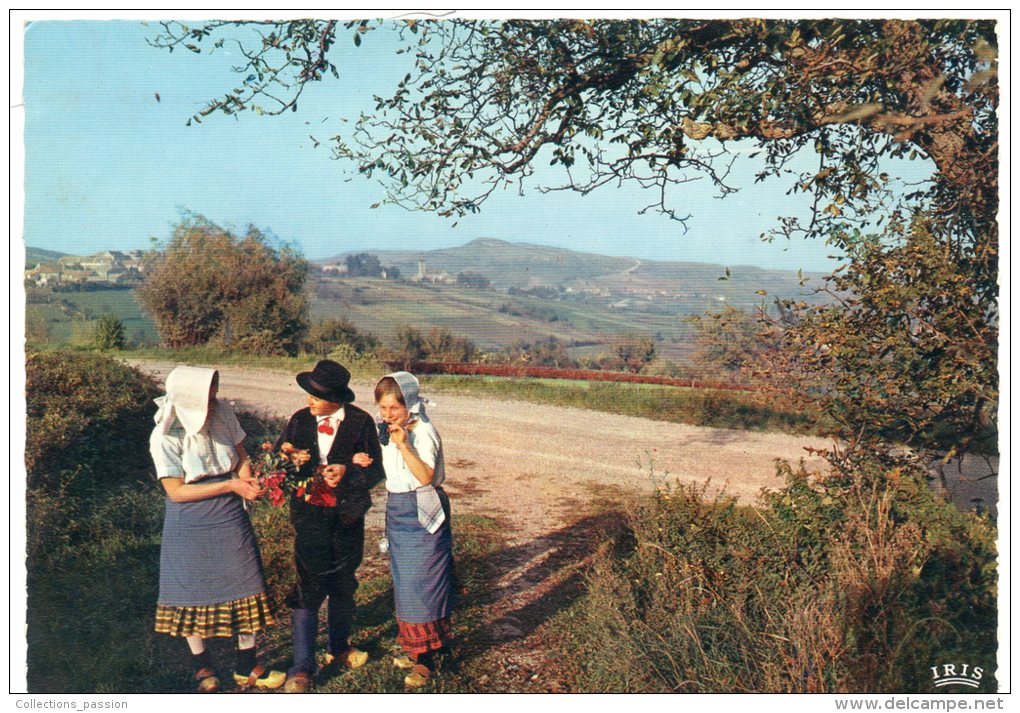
column 109, row 167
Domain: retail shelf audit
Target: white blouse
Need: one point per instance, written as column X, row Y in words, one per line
column 211, row 451
column 426, row 442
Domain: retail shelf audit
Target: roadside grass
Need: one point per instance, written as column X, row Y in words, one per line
column 700, row 407
column 91, row 608
column 844, row 585
column 476, row 542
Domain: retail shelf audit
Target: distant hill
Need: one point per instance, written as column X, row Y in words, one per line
column 521, row 265
column 525, row 266
column 37, row 255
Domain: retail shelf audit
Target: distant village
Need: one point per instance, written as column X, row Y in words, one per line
column 110, row 267
column 367, row 265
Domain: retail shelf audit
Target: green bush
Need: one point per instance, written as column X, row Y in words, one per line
column 324, row 337
column 92, row 585
column 109, row 333
column 89, row 420
column 854, row 584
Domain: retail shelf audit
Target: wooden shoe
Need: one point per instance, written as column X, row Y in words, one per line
column 404, row 663
column 298, row 683
column 260, row 678
column 418, row 677
column 208, row 682
column 352, row 658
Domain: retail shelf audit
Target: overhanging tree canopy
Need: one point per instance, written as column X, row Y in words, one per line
column 655, row 101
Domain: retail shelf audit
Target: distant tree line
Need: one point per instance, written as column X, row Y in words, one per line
column 473, row 280
column 368, row 265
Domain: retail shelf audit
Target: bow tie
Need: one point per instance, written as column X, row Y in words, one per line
column 324, row 427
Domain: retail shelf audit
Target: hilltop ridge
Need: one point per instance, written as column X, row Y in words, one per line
column 526, row 265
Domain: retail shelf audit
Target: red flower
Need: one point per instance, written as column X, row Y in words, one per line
column 277, row 472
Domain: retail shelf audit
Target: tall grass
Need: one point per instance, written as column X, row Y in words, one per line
column 853, row 585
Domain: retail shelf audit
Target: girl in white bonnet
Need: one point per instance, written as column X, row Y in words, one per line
column 210, row 573
column 417, row 525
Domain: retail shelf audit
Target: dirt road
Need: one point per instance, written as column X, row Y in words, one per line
column 540, row 470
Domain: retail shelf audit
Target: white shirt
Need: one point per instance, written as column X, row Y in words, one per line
column 424, row 439
column 211, row 451
column 326, row 439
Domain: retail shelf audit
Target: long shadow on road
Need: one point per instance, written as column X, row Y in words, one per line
column 533, row 581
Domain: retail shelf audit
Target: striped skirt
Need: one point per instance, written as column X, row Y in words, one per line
column 241, row 616
column 422, row 638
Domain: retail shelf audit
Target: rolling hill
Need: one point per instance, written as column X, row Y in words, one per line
column 34, row 256
column 520, row 265
column 528, row 266
column 538, row 291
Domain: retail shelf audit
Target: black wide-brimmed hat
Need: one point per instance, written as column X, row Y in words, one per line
column 328, row 381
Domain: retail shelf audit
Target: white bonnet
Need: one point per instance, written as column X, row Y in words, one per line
column 187, row 398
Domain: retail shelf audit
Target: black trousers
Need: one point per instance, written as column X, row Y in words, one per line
column 327, row 553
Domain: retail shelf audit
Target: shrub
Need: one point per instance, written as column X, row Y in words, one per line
column 109, row 333
column 92, row 522
column 848, row 584
column 89, row 419
column 324, row 337
column 93, row 589
column 261, row 342
column 210, row 285
column 440, row 344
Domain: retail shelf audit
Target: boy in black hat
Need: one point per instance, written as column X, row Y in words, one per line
column 329, row 521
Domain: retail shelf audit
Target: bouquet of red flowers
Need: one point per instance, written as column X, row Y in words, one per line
column 277, row 472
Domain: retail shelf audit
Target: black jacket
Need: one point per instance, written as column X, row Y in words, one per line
column 357, row 434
